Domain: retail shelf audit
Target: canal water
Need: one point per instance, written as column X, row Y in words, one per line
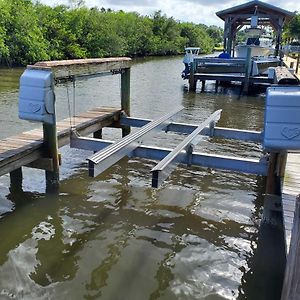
column 114, row 237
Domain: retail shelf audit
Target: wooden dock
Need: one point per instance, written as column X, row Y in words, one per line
column 38, row 148
column 291, row 218
column 290, row 190
column 291, row 62
column 28, row 147
column 239, row 77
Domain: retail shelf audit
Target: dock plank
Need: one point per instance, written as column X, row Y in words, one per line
column 290, row 190
column 26, row 147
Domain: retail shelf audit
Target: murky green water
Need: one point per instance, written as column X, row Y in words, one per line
column 114, row 237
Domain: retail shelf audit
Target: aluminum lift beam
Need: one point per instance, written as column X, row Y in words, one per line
column 164, row 168
column 227, row 133
column 104, row 159
column 243, row 165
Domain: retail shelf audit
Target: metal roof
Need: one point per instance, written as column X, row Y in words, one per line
column 250, row 7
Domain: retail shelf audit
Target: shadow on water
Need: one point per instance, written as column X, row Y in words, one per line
column 264, row 278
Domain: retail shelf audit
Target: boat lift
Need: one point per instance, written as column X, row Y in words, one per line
column 108, row 152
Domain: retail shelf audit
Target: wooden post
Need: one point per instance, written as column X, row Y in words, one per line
column 51, row 151
column 192, row 80
column 97, row 135
column 291, row 284
column 203, row 85
column 247, row 70
column 16, row 178
column 216, row 86
column 276, row 168
column 125, row 97
column 297, row 63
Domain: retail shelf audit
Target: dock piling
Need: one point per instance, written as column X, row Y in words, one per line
column 125, row 97
column 291, row 284
column 192, row 79
column 247, row 71
column 16, row 180
column 51, row 149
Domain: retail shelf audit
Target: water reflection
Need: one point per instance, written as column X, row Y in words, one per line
column 113, row 237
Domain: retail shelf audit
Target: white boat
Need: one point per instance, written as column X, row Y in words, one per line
column 259, row 44
column 262, row 49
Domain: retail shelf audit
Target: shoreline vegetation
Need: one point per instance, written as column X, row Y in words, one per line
column 31, row 32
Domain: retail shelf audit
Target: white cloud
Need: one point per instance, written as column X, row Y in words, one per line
column 197, row 11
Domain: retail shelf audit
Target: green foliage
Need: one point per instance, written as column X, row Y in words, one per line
column 4, row 14
column 240, row 36
column 292, row 29
column 216, row 34
column 24, row 38
column 30, row 32
column 197, row 36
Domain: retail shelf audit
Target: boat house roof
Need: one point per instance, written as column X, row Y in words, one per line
column 261, row 9
column 267, row 15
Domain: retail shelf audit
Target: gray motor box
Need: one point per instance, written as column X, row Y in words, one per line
column 36, row 96
column 282, row 118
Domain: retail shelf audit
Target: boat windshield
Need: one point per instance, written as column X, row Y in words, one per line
column 192, row 50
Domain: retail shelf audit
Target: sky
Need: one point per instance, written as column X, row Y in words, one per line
column 196, row 11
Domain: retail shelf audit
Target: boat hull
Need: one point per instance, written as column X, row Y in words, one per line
column 241, row 51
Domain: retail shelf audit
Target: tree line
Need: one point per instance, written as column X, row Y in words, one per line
column 31, row 32
column 291, row 33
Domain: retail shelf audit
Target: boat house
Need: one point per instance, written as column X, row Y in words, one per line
column 238, row 16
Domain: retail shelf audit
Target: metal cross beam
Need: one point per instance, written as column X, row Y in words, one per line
column 227, row 133
column 164, row 168
column 104, row 159
column 243, row 165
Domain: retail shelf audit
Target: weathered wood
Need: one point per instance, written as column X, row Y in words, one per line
column 275, row 172
column 192, row 79
column 27, row 147
column 215, row 65
column 291, row 285
column 125, row 97
column 247, row 70
column 283, row 76
column 42, row 164
column 290, row 189
column 67, row 68
column 51, row 151
column 238, row 77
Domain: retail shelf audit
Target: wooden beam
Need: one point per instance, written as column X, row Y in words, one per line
column 68, row 68
column 42, row 164
column 283, row 76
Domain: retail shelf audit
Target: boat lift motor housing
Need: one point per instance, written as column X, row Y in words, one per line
column 36, row 96
column 282, row 118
